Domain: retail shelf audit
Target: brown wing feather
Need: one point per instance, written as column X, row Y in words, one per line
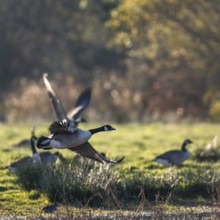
column 59, row 127
column 86, row 150
column 57, row 105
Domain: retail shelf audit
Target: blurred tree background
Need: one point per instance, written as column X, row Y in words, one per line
column 144, row 59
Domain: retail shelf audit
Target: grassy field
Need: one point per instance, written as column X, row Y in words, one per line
column 144, row 185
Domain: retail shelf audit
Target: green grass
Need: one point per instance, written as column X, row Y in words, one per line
column 192, row 184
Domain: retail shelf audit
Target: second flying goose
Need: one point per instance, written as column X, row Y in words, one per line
column 72, row 117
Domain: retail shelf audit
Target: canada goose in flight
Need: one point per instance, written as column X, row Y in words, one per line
column 175, row 157
column 72, row 117
column 74, row 139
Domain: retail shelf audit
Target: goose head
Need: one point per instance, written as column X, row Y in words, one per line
column 108, row 128
column 186, row 142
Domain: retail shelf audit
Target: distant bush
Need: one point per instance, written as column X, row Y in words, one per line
column 214, row 111
column 209, row 153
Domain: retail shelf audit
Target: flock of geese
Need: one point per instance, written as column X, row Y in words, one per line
column 65, row 134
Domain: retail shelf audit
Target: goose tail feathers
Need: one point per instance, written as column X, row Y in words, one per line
column 43, row 142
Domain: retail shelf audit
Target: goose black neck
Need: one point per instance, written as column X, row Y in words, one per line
column 33, row 146
column 183, row 148
column 96, row 130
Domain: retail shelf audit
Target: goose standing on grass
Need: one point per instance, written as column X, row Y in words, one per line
column 37, row 157
column 27, row 160
column 175, row 157
column 19, row 163
column 43, row 157
column 74, row 139
column 72, row 117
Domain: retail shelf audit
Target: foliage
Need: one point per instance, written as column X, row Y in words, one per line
column 174, row 46
column 78, row 181
column 214, row 111
column 149, row 59
column 211, row 152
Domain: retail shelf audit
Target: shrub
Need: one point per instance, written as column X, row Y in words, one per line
column 70, row 183
column 85, row 182
column 209, row 153
column 214, row 111
column 195, row 183
column 148, row 186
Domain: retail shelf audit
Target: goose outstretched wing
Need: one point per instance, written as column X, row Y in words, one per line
column 87, row 150
column 81, row 103
column 57, row 105
column 60, row 127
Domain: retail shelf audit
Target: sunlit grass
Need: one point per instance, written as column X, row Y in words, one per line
column 139, row 143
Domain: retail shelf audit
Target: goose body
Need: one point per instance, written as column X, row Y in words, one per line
column 71, row 139
column 37, row 157
column 175, row 157
column 19, row 163
column 73, row 116
column 63, row 137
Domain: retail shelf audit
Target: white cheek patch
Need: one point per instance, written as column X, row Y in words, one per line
column 164, row 162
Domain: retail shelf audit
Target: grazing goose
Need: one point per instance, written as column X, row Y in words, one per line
column 19, row 163
column 27, row 160
column 73, row 115
column 43, row 157
column 175, row 157
column 74, row 139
